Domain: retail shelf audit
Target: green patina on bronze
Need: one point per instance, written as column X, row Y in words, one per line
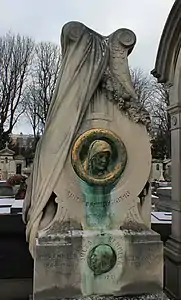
column 101, row 259
column 99, row 158
column 97, row 206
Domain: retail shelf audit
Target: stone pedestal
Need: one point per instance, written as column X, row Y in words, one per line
column 173, row 268
column 158, row 296
column 89, row 200
column 168, row 70
column 173, row 245
column 72, row 264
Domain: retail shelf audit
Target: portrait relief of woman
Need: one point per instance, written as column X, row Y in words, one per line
column 98, row 158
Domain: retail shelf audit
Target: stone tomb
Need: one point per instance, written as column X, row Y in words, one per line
column 67, row 262
column 98, row 239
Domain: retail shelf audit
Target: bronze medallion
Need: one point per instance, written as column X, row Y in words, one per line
column 101, row 259
column 99, row 157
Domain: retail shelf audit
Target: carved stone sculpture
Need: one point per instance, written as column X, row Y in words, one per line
column 88, row 203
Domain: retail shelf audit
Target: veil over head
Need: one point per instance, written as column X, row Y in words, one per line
column 98, row 146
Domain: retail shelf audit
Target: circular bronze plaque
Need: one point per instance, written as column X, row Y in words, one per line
column 99, row 157
column 101, row 259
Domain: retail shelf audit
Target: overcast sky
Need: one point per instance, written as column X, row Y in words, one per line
column 43, row 20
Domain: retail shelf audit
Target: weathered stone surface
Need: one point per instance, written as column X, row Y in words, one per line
column 94, row 235
column 157, row 296
column 62, row 267
column 168, row 71
column 88, row 100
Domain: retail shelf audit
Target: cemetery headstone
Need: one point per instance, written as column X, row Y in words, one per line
column 88, row 203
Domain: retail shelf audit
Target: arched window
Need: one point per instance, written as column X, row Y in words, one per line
column 157, row 167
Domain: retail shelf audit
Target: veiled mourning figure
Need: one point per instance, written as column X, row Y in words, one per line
column 98, row 159
column 89, row 62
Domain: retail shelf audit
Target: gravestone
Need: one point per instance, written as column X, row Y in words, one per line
column 6, row 162
column 88, row 203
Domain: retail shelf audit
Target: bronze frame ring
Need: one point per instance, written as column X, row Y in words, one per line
column 85, row 139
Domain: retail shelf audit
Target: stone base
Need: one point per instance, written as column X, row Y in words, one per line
column 158, row 296
column 66, row 265
column 173, row 268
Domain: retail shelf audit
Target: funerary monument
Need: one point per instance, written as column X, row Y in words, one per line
column 88, row 203
column 168, row 71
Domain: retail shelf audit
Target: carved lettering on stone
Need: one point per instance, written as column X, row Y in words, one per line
column 61, row 262
column 117, row 200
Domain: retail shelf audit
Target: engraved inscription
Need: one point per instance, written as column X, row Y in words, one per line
column 109, row 277
column 61, row 261
column 121, row 198
column 85, row 249
column 118, row 248
column 144, row 260
column 73, row 196
column 117, row 200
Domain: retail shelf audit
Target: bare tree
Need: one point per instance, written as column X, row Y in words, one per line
column 161, row 143
column 142, row 83
column 155, row 99
column 15, row 59
column 44, row 75
column 33, row 108
column 160, row 102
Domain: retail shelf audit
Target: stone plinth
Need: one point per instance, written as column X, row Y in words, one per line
column 72, row 265
column 158, row 296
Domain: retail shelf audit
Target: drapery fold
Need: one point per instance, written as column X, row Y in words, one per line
column 83, row 64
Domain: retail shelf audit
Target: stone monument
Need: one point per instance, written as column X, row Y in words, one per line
column 168, row 71
column 88, row 202
column 6, row 162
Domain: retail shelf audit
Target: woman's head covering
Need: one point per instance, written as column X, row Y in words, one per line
column 97, row 147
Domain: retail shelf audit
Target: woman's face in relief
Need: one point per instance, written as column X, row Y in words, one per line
column 100, row 161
